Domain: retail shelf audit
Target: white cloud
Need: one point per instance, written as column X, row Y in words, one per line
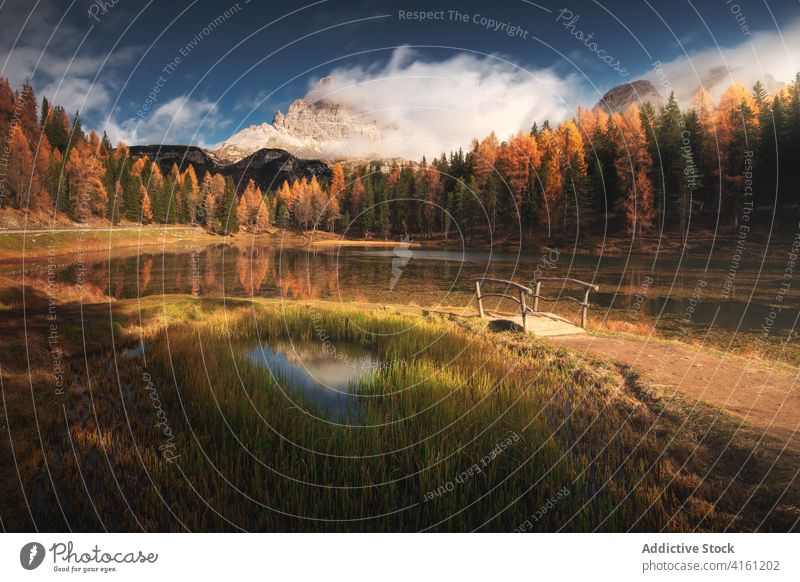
column 426, row 107
column 770, row 57
column 67, row 78
column 46, row 54
column 181, row 120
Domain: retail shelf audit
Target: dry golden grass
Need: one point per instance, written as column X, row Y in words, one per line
column 632, row 457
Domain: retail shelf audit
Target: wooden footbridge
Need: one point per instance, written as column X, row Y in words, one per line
column 529, row 318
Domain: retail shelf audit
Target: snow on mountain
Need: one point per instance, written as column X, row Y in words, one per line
column 309, row 129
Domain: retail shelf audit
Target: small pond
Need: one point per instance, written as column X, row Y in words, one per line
column 323, row 375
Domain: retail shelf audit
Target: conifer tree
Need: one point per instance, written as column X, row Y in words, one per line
column 226, row 213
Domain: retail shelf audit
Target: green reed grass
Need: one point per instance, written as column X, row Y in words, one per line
column 450, row 393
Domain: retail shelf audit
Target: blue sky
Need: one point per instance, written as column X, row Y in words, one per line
column 163, row 71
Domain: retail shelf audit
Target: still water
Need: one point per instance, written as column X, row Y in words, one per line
column 699, row 297
column 327, row 380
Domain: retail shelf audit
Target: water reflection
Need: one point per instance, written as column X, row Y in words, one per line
column 630, row 288
column 324, row 378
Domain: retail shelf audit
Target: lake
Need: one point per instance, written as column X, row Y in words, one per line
column 718, row 300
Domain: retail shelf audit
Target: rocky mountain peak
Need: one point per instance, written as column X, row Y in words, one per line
column 638, row 93
column 310, row 128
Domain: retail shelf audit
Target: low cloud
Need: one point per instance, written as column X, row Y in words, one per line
column 181, row 120
column 37, row 45
column 426, row 107
column 770, row 57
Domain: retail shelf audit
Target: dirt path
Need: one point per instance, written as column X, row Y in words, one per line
column 766, row 396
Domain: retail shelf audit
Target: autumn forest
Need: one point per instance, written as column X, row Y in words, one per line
column 634, row 172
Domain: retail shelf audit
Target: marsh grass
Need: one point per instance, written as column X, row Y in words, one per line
column 451, row 393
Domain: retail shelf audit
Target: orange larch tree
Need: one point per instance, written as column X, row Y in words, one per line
column 633, row 172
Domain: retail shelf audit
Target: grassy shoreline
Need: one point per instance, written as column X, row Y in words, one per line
column 64, row 238
column 43, row 243
column 630, row 456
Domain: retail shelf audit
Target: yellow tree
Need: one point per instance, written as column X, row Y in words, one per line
column 20, row 166
column 518, row 160
column 42, row 176
column 434, row 190
column 262, row 217
column 573, row 169
column 485, row 155
column 285, row 194
column 242, row 212
column 706, row 109
column 633, row 167
column 302, row 204
column 551, row 179
column 210, row 211
column 248, row 205
column 147, row 206
column 592, row 122
column 218, row 186
column 137, row 167
column 84, row 174
column 737, row 131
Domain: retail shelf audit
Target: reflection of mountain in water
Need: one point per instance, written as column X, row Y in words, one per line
column 323, row 374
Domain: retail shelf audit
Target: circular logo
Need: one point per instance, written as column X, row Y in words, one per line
column 31, row 555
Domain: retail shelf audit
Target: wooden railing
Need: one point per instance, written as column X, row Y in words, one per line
column 589, row 287
column 536, row 295
column 523, row 293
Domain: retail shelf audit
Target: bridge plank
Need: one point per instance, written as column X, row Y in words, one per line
column 542, row 324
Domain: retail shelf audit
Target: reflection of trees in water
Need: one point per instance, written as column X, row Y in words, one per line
column 212, row 267
column 146, row 273
column 252, row 269
column 306, row 275
column 216, row 270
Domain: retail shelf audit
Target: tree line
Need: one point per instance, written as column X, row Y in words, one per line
column 636, row 172
column 50, row 164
